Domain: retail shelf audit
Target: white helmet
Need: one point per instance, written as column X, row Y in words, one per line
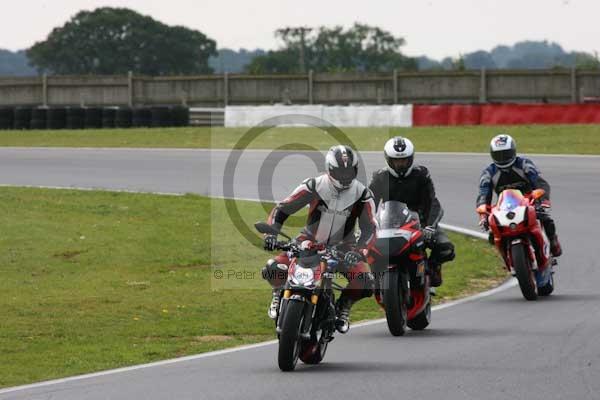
column 399, row 155
column 503, row 150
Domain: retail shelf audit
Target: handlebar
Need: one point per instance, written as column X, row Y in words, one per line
column 534, row 199
column 323, row 250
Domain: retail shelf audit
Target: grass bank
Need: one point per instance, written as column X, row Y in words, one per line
column 550, row 139
column 99, row 280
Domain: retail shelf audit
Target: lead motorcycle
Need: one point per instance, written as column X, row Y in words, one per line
column 306, row 318
column 399, row 260
column 521, row 240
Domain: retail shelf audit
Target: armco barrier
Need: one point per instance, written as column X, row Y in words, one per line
column 342, row 116
column 464, row 114
column 430, row 115
column 517, row 114
column 505, row 114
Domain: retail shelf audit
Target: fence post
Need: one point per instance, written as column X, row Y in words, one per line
column 226, row 88
column 574, row 97
column 310, row 86
column 395, row 85
column 483, row 86
column 45, row 90
column 130, row 89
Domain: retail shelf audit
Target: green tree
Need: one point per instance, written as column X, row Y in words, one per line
column 358, row 48
column 279, row 61
column 458, row 64
column 587, row 61
column 117, row 40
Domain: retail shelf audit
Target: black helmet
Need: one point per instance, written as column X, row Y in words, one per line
column 342, row 166
column 503, row 150
column 399, row 154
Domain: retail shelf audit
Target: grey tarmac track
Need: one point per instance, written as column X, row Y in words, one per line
column 499, row 347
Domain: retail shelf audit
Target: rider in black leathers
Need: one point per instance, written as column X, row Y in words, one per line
column 411, row 184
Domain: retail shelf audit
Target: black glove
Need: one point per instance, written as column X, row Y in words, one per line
column 429, row 234
column 352, row 258
column 270, row 242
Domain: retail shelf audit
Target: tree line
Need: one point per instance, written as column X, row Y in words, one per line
column 117, row 40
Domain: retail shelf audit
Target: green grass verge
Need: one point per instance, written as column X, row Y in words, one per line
column 99, row 280
column 551, row 139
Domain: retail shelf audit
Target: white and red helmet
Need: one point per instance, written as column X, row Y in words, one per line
column 503, row 150
column 341, row 164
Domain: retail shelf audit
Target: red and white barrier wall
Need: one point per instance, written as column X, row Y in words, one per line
column 419, row 115
column 505, row 114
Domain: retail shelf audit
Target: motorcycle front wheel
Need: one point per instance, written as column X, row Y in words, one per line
column 393, row 299
column 523, row 271
column 289, row 338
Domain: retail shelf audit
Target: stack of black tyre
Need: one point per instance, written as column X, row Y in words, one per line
column 7, row 117
column 22, row 118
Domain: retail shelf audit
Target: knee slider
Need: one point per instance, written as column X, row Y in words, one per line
column 368, row 281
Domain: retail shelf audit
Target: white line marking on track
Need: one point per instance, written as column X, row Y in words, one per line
column 92, row 189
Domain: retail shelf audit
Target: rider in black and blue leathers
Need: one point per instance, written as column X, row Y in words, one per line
column 509, row 171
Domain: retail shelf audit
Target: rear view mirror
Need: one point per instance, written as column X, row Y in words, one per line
column 266, row 229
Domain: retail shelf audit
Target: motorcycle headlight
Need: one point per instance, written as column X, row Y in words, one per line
column 303, row 276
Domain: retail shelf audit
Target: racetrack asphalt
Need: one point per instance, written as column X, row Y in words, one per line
column 498, row 347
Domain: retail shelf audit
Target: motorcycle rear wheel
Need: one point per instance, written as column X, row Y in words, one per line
column 313, row 351
column 395, row 305
column 289, row 338
column 523, row 271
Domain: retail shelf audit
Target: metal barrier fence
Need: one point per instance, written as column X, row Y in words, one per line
column 497, row 86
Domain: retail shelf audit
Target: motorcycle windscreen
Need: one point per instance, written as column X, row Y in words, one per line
column 308, row 259
column 392, row 216
column 510, row 199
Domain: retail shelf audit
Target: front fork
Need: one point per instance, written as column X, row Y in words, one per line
column 405, row 281
column 309, row 310
column 530, row 253
column 311, row 301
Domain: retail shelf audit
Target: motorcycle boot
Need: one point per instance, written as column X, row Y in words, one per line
column 342, row 320
column 435, row 275
column 274, row 306
column 555, row 247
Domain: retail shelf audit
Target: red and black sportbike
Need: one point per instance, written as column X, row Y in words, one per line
column 399, row 260
column 306, row 317
column 521, row 240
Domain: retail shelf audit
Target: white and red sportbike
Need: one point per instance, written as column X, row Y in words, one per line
column 521, row 240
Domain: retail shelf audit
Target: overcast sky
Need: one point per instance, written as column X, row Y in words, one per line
column 437, row 28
